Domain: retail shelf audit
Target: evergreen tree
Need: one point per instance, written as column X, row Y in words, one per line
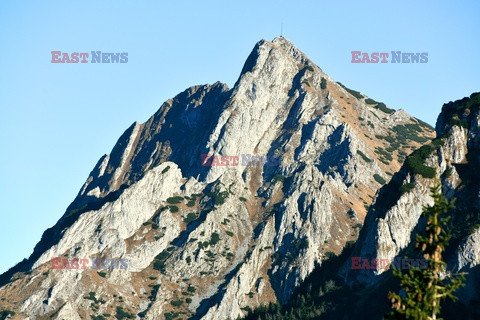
column 424, row 289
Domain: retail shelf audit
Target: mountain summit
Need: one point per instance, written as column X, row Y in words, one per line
column 210, row 242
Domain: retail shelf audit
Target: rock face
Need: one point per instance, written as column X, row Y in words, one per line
column 453, row 159
column 210, row 242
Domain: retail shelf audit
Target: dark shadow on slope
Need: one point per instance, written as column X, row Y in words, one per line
column 468, row 305
column 296, row 82
column 216, row 298
column 251, row 61
column 291, row 123
column 337, row 154
column 307, row 134
column 207, row 303
column 183, row 236
column 190, row 128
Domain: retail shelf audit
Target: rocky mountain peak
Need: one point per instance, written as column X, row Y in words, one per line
column 239, row 234
column 461, row 112
column 291, row 50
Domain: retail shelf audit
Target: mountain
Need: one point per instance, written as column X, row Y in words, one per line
column 212, row 242
column 451, row 159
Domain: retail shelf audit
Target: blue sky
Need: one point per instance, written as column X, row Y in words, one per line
column 56, row 120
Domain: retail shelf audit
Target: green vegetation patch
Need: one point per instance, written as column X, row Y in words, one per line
column 407, row 187
column 166, row 169
column 385, row 156
column 173, row 209
column 364, row 157
column 379, row 179
column 300, row 244
column 171, row 315
column 323, row 84
column 153, row 292
column 409, row 131
column 330, row 254
column 91, row 296
column 415, row 162
column 190, row 217
column 122, row 314
column 176, row 303
column 214, row 239
column 175, row 200
column 382, row 107
column 159, row 261
column 424, row 124
column 219, row 196
column 6, row 313
column 354, row 93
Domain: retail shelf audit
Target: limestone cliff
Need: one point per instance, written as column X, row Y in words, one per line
column 210, row 242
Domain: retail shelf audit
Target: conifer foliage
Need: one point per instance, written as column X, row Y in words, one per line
column 423, row 290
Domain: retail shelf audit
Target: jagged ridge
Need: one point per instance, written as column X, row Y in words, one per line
column 256, row 232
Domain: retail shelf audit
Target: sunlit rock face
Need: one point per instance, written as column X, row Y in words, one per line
column 212, row 241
